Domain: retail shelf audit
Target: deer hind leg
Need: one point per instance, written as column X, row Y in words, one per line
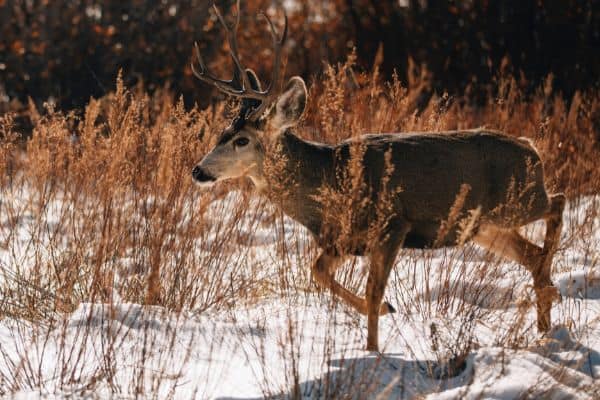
column 511, row 245
column 542, row 273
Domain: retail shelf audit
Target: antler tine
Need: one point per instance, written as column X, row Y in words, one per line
column 277, row 46
column 228, row 86
column 205, row 75
column 233, row 47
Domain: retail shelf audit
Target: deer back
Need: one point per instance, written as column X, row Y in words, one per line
column 417, row 178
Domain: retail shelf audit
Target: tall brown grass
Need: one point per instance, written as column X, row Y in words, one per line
column 114, row 216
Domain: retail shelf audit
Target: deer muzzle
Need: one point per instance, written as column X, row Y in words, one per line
column 201, row 176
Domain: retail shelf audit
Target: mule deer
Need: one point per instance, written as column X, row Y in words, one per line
column 499, row 180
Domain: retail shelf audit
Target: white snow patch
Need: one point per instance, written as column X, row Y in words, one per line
column 302, row 345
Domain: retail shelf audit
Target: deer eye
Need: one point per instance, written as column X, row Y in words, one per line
column 240, row 142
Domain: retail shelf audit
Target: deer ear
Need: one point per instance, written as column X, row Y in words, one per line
column 290, row 105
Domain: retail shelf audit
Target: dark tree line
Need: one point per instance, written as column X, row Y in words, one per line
column 470, row 42
column 71, row 50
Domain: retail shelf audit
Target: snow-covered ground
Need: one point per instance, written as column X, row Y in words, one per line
column 465, row 328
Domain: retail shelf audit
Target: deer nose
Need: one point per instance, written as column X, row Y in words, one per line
column 201, row 176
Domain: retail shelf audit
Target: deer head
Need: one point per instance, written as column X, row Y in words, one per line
column 263, row 114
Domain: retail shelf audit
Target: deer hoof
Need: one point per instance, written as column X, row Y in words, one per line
column 386, row 308
column 558, row 296
column 549, row 294
column 372, row 347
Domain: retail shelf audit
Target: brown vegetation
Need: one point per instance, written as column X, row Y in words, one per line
column 122, row 171
column 131, row 221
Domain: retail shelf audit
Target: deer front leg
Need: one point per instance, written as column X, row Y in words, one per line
column 323, row 270
column 382, row 261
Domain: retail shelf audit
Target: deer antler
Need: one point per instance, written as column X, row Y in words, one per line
column 266, row 96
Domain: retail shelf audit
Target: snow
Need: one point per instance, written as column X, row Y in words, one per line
column 299, row 343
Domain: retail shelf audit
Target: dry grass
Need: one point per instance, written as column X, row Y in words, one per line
column 112, row 216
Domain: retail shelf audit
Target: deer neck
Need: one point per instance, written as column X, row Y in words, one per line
column 294, row 173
